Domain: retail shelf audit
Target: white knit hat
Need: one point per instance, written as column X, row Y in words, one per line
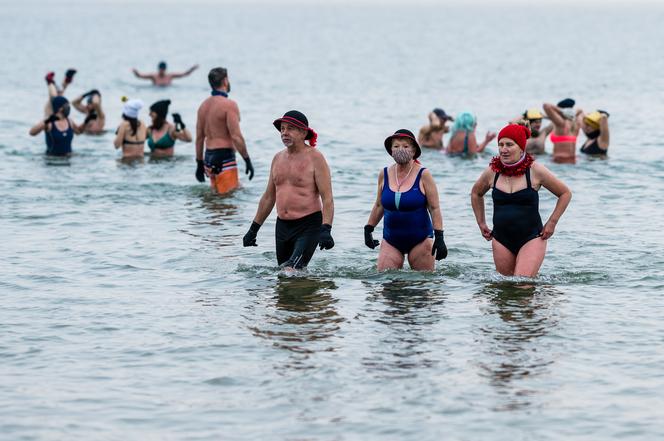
column 131, row 108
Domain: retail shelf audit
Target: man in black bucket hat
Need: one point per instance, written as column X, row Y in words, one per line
column 301, row 187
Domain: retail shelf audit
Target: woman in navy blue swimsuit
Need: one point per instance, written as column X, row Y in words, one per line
column 518, row 236
column 408, row 199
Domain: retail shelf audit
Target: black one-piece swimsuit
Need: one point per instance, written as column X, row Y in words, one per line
column 516, row 218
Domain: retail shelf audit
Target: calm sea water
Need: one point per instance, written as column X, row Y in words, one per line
column 130, row 309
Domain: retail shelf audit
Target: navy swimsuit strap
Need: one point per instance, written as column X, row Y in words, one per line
column 528, row 178
column 416, row 184
column 495, row 180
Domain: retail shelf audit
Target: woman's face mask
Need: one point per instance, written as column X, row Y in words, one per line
column 401, row 155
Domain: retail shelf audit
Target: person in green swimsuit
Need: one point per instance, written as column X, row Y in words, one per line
column 162, row 134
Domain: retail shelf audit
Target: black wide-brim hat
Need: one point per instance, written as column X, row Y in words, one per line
column 298, row 119
column 402, row 133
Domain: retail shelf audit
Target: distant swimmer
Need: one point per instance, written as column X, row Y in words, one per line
column 463, row 140
column 95, row 119
column 218, row 135
column 162, row 134
column 565, row 130
column 301, row 186
column 408, row 200
column 59, row 129
column 163, row 78
column 537, row 140
column 596, row 127
column 518, row 237
column 431, row 135
column 132, row 133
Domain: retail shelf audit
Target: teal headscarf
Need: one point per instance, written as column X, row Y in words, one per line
column 464, row 122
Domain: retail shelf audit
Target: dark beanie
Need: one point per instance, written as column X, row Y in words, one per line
column 160, row 108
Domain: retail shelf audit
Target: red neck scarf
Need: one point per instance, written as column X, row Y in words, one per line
column 516, row 169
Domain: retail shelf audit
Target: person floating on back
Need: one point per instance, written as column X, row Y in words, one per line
column 218, row 136
column 301, row 187
column 408, row 199
column 518, row 237
column 161, row 77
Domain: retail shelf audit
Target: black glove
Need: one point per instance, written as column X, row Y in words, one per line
column 249, row 239
column 250, row 169
column 439, row 249
column 179, row 125
column 51, row 119
column 69, row 75
column 368, row 237
column 325, row 240
column 91, row 116
column 200, row 170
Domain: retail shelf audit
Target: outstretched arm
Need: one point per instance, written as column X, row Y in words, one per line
column 137, row 74
column 37, row 128
column 490, row 136
column 185, row 73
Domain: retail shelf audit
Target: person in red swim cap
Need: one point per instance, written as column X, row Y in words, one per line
column 518, row 237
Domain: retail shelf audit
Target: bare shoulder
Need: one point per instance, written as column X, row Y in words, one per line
column 316, row 156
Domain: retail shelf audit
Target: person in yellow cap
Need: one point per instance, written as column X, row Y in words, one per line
column 596, row 127
column 535, row 144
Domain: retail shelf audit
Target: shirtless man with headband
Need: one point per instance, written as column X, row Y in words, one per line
column 301, row 186
column 161, row 78
column 218, row 130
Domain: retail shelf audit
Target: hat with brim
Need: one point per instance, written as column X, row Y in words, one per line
column 402, row 133
column 300, row 121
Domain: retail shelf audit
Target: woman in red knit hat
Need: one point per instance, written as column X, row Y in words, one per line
column 518, row 236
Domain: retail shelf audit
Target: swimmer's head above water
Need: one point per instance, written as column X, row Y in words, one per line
column 161, row 67
column 131, row 108
column 294, row 129
column 60, row 106
column 218, row 79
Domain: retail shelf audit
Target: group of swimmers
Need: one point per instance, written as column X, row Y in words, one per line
column 564, row 127
column 300, row 183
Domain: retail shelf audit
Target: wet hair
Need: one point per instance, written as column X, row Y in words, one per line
column 133, row 122
column 217, row 76
column 158, row 122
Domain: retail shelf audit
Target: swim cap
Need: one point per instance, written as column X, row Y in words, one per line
column 162, row 65
column 131, row 108
column 160, row 108
column 516, row 133
column 465, row 121
column 532, row 114
column 298, row 119
column 57, row 102
column 402, row 133
column 567, row 103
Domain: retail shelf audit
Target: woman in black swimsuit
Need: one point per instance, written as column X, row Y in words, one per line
column 596, row 127
column 518, row 236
